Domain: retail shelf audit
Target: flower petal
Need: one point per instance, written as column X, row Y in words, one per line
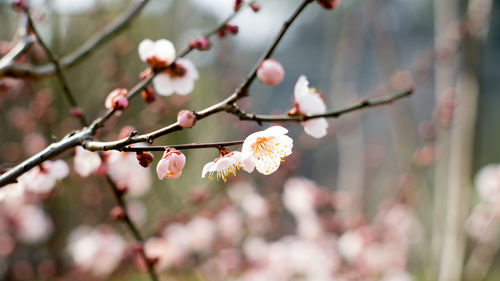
column 163, row 85
column 275, row 131
column 146, row 49
column 316, row 127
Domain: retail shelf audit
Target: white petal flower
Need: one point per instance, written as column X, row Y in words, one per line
column 172, row 81
column 125, row 170
column 43, row 178
column 33, row 224
column 309, row 102
column 157, row 54
column 85, row 162
column 264, row 150
column 488, row 183
column 223, row 166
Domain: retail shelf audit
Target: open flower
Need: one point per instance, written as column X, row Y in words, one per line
column 43, row 178
column 227, row 163
column 178, row 79
column 157, row 54
column 85, row 162
column 171, row 165
column 125, row 171
column 309, row 102
column 265, row 149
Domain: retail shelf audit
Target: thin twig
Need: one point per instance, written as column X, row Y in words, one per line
column 25, row 70
column 60, row 75
column 332, row 114
column 181, row 146
column 133, row 229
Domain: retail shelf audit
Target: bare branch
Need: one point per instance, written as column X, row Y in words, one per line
column 181, row 146
column 25, row 70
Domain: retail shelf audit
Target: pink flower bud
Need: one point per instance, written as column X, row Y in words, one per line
column 117, row 99
column 238, row 4
column 255, row 6
column 186, row 118
column 145, row 158
column 171, row 165
column 118, row 213
column 201, row 44
column 270, row 72
column 148, row 95
column 233, row 29
column 329, row 4
column 76, row 112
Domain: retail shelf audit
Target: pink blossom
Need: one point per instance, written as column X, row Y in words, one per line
column 32, row 224
column 160, row 250
column 230, row 224
column 350, row 245
column 186, row 118
column 117, row 99
column 270, row 72
column 202, row 234
column 85, row 162
column 223, row 166
column 178, row 79
column 125, row 170
column 158, row 54
column 309, row 102
column 98, row 251
column 43, row 178
column 488, row 183
column 171, row 165
column 264, row 150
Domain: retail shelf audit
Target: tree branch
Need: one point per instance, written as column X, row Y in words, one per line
column 30, row 71
column 181, row 146
column 60, row 75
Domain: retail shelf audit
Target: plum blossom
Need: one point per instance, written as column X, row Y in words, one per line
column 158, row 54
column 171, row 165
column 43, row 178
column 270, row 72
column 117, row 99
column 488, row 183
column 186, row 118
column 85, row 162
column 98, row 251
column 178, row 79
column 264, row 150
column 309, row 102
column 202, row 234
column 126, row 171
column 32, row 224
column 227, row 163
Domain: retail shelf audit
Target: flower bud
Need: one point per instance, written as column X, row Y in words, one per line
column 201, row 44
column 76, row 112
column 270, row 72
column 148, row 95
column 171, row 165
column 145, row 158
column 238, row 4
column 21, row 5
column 255, row 6
column 117, row 99
column 118, row 213
column 186, row 118
column 329, row 4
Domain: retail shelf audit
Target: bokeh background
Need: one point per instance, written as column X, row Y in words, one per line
column 362, row 49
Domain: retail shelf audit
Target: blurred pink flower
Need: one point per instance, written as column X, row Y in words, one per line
column 158, row 54
column 265, row 150
column 98, row 251
column 117, row 99
column 125, row 170
column 230, row 224
column 488, row 183
column 171, row 165
column 178, row 79
column 226, row 164
column 85, row 162
column 202, row 234
column 43, row 178
column 270, row 72
column 309, row 102
column 32, row 224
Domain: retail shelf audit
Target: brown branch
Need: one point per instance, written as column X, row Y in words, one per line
column 60, row 75
column 181, row 146
column 25, row 70
column 332, row 114
column 133, row 229
column 78, row 138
